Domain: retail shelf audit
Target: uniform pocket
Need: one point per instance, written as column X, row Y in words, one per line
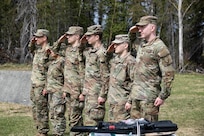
column 97, row 113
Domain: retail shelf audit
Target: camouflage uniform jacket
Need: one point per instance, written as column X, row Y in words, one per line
column 40, row 65
column 154, row 72
column 74, row 71
column 55, row 75
column 121, row 78
column 96, row 72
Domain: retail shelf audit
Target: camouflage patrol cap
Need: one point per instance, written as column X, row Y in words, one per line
column 42, row 32
column 75, row 30
column 145, row 20
column 121, row 38
column 94, row 29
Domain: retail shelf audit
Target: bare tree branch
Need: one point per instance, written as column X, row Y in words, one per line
column 175, row 6
column 189, row 7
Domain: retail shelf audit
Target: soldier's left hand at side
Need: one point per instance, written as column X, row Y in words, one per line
column 44, row 92
column 101, row 100
column 81, row 97
column 158, row 102
column 128, row 106
column 64, row 95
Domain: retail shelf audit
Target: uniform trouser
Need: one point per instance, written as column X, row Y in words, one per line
column 93, row 111
column 76, row 118
column 40, row 109
column 57, row 112
column 143, row 109
column 117, row 112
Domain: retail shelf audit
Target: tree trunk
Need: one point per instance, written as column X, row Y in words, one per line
column 27, row 12
column 173, row 41
column 180, row 19
column 112, row 21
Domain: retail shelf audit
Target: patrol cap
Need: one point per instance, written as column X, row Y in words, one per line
column 42, row 32
column 94, row 29
column 75, row 30
column 145, row 20
column 121, row 38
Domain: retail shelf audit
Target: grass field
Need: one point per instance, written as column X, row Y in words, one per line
column 19, row 67
column 185, row 107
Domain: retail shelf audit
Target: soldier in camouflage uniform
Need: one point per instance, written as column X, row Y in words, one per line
column 96, row 77
column 154, row 72
column 121, row 78
column 56, row 97
column 38, row 94
column 74, row 75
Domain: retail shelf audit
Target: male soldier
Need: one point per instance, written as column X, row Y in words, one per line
column 38, row 94
column 153, row 73
column 74, row 75
column 55, row 81
column 96, row 77
column 121, row 78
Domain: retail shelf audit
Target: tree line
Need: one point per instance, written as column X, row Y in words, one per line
column 180, row 23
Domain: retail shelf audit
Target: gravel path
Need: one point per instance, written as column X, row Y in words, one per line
column 15, row 87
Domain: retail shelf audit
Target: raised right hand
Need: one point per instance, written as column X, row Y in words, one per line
column 62, row 38
column 33, row 40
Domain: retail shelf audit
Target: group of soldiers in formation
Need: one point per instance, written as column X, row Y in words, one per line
column 79, row 77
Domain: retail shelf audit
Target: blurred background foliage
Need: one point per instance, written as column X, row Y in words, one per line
column 19, row 19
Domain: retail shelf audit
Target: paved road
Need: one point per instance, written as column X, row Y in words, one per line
column 15, row 87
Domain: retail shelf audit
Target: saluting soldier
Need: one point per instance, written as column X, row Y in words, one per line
column 38, row 95
column 154, row 72
column 56, row 99
column 74, row 75
column 121, row 78
column 74, row 69
column 96, row 77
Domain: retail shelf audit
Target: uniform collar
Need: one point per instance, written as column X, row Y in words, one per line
column 121, row 60
column 150, row 42
column 75, row 48
column 44, row 48
column 96, row 49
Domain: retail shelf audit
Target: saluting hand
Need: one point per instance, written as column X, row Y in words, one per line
column 133, row 29
column 33, row 40
column 62, row 38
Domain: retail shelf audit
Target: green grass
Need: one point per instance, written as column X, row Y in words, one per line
column 19, row 67
column 185, row 107
column 16, row 126
column 16, row 120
